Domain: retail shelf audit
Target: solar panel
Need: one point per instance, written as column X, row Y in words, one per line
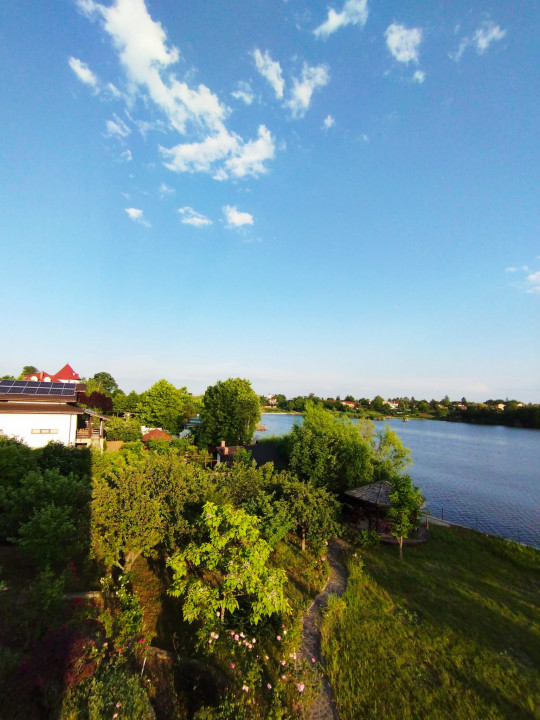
column 33, row 387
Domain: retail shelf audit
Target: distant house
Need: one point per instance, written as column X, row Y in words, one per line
column 262, row 454
column 348, row 403
column 39, row 412
column 65, row 375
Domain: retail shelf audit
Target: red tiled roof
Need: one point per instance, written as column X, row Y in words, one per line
column 66, row 374
column 156, row 435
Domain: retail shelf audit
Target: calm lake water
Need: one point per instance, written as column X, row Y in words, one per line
column 484, row 477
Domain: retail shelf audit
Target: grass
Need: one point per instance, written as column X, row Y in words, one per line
column 453, row 631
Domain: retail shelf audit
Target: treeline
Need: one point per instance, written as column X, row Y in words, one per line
column 236, row 552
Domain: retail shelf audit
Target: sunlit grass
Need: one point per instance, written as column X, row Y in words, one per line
column 453, row 631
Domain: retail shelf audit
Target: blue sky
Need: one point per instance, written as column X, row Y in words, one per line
column 338, row 198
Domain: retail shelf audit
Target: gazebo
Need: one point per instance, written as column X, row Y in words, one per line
column 368, row 506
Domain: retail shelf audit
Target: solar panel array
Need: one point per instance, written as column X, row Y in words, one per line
column 31, row 387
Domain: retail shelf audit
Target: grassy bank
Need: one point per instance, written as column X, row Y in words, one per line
column 453, row 631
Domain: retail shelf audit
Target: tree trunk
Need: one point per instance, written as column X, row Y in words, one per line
column 222, row 616
column 401, row 548
column 303, row 538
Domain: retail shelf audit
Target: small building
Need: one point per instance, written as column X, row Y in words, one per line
column 65, row 375
column 368, row 506
column 41, row 412
column 157, row 434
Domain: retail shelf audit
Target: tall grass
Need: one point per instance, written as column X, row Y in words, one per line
column 453, row 631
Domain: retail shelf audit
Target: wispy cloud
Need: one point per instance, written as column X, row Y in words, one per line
column 147, row 59
column 270, row 70
column 533, row 283
column 234, row 218
column 485, row 35
column 403, row 42
column 312, row 78
column 117, row 127
column 190, row 217
column 83, row 72
column 126, row 156
column 244, row 92
column 164, row 190
column 328, row 122
column 419, row 76
column 137, row 216
column 354, row 12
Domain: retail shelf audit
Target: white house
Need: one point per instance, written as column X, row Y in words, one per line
column 40, row 412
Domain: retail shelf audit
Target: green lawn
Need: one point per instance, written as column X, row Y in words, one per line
column 453, row 631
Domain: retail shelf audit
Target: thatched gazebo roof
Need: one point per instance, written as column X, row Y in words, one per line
column 376, row 494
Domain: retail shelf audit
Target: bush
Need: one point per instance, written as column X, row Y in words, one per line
column 366, row 539
column 122, row 429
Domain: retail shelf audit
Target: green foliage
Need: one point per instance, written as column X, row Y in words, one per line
column 104, row 383
column 28, row 370
column 38, row 490
column 230, row 412
column 230, row 562
column 331, row 452
column 50, row 537
column 126, row 404
column 391, row 457
column 65, row 459
column 405, row 503
column 166, row 407
column 123, row 429
column 366, row 538
column 16, row 459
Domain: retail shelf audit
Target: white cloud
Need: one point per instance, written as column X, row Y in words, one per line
column 147, row 58
column 244, row 92
column 137, row 216
column 533, row 283
column 355, row 12
column 165, row 190
column 403, row 42
column 270, row 70
column 486, row 34
column 240, row 158
column 419, row 76
column 328, row 122
column 83, row 72
column 127, row 156
column 511, row 269
column 191, row 217
column 312, row 79
column 235, row 218
column 251, row 156
column 117, row 127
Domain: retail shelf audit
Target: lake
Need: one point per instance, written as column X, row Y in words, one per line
column 483, row 477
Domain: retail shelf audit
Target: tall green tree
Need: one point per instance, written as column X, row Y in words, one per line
column 332, row 452
column 230, row 412
column 405, row 503
column 229, row 565
column 165, row 406
column 104, row 383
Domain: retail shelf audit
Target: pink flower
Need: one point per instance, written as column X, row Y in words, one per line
column 269, row 686
column 323, row 559
column 313, row 660
column 245, row 688
column 300, row 687
column 233, row 665
column 283, row 677
column 115, row 715
column 326, row 542
column 118, row 704
column 278, row 638
column 283, row 662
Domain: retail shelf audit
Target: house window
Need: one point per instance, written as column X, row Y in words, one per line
column 43, row 431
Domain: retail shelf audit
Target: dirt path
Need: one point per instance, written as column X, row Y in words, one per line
column 325, row 707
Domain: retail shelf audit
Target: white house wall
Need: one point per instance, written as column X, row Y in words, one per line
column 36, row 430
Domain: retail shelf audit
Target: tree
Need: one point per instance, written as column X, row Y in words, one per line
column 127, row 516
column 391, row 457
column 28, row 370
column 230, row 412
column 231, row 562
column 165, row 406
column 123, row 429
column 405, row 503
column 332, row 452
column 105, row 383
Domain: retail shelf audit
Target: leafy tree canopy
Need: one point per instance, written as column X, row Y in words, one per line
column 127, row 430
column 405, row 503
column 165, row 406
column 29, row 370
column 105, row 383
column 229, row 565
column 230, row 412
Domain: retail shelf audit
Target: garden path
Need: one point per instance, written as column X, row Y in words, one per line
column 324, row 707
